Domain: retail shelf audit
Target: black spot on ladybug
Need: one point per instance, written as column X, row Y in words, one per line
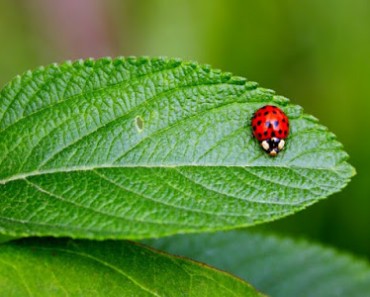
column 276, row 124
column 280, row 131
column 274, row 112
column 266, row 113
column 283, row 120
column 265, row 133
column 259, row 135
column 259, row 123
column 273, row 134
column 254, row 128
column 285, row 132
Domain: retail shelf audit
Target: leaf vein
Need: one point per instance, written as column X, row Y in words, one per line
column 123, row 116
column 94, row 91
column 99, row 212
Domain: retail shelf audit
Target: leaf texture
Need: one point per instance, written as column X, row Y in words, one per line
column 145, row 147
column 52, row 267
column 277, row 266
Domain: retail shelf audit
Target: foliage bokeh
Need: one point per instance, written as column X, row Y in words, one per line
column 313, row 52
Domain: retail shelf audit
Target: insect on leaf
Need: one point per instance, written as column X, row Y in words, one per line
column 146, row 147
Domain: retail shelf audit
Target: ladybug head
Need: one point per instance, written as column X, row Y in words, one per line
column 273, row 145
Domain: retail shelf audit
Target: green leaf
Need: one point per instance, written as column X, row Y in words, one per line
column 277, row 266
column 51, row 267
column 137, row 148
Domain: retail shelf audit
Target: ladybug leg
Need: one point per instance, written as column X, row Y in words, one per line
column 281, row 144
column 265, row 145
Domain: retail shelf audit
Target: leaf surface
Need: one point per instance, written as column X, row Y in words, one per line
column 52, row 267
column 137, row 147
column 277, row 266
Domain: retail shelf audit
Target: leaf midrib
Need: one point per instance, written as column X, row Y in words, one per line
column 22, row 176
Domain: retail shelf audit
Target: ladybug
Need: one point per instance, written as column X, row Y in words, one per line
column 270, row 127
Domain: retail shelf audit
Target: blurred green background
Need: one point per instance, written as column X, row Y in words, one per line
column 317, row 53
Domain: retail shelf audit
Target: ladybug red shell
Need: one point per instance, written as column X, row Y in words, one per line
column 271, row 127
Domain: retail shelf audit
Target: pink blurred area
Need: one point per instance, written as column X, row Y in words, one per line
column 78, row 28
